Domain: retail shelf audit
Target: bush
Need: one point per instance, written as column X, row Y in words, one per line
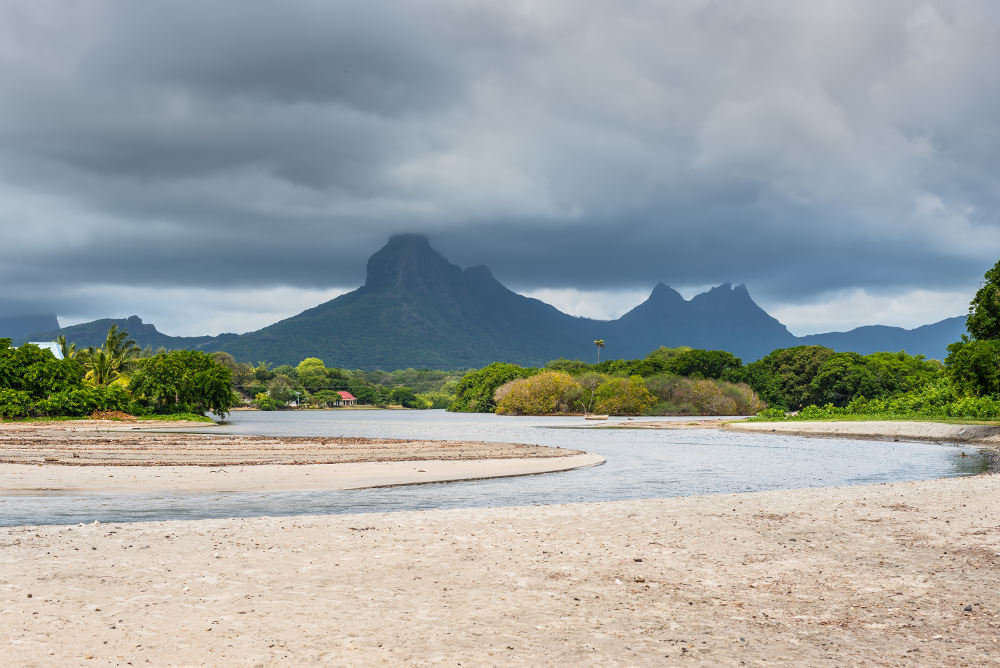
column 436, row 399
column 624, row 396
column 404, row 396
column 772, row 414
column 543, row 394
column 84, row 401
column 265, row 403
column 689, row 396
column 974, row 366
column 476, row 389
column 183, row 380
column 324, row 398
column 14, row 403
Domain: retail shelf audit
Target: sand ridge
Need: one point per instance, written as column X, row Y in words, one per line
column 97, row 443
column 96, row 456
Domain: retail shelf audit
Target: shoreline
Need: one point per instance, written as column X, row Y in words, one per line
column 36, row 480
column 891, row 574
column 93, row 456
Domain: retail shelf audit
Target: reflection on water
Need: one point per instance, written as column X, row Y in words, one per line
column 640, row 464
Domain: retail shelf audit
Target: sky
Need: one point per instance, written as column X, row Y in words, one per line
column 217, row 166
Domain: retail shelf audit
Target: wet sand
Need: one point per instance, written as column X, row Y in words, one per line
column 95, row 456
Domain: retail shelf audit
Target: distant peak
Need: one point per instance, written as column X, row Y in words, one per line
column 408, row 261
column 408, row 240
column 662, row 291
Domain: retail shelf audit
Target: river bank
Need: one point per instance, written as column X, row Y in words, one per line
column 895, row 574
column 973, row 434
column 113, row 457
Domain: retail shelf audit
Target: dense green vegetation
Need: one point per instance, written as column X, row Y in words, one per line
column 116, row 377
column 312, row 384
column 668, row 381
column 819, row 383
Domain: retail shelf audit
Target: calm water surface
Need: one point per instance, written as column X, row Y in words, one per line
column 640, row 464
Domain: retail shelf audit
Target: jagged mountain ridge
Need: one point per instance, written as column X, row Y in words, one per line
column 416, row 309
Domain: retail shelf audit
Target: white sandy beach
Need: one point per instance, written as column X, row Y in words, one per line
column 864, row 575
column 27, row 479
column 899, row 574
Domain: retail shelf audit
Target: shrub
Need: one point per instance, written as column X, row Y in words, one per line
column 14, row 403
column 84, row 401
column 689, row 396
column 543, row 394
column 436, row 399
column 265, row 403
column 476, row 389
column 624, row 396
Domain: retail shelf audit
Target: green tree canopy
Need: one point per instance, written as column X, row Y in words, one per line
column 475, row 390
column 983, row 321
column 35, row 371
column 974, row 367
column 702, row 363
column 183, row 379
column 784, row 377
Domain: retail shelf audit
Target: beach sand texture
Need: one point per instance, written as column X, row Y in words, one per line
column 94, row 456
column 895, row 574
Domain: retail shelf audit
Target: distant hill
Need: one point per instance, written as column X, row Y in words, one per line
column 416, row 309
column 94, row 332
column 877, row 338
column 18, row 326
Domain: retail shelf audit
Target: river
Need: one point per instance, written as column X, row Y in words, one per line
column 640, row 464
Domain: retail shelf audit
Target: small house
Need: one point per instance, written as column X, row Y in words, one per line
column 347, row 399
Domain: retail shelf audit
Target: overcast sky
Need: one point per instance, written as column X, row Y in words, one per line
column 213, row 166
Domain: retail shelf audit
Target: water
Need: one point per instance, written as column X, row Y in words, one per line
column 640, row 464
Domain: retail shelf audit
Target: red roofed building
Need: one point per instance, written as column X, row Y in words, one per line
column 347, row 399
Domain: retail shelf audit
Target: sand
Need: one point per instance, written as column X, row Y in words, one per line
column 983, row 435
column 894, row 574
column 94, row 456
column 865, row 575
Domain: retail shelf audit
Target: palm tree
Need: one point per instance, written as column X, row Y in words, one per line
column 600, row 344
column 110, row 361
column 68, row 349
column 101, row 368
column 119, row 346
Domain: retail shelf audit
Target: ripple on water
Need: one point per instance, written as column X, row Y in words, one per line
column 640, row 464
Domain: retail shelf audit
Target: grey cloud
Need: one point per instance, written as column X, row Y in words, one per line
column 798, row 148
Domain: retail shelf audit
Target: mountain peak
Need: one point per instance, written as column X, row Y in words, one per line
column 407, row 261
column 664, row 293
column 408, row 240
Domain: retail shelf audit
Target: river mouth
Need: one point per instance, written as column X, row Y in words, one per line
column 640, row 464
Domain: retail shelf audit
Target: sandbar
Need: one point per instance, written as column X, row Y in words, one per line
column 97, row 456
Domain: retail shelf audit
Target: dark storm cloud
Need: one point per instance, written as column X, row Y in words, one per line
column 796, row 147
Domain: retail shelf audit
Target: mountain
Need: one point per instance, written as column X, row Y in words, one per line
column 18, row 326
column 875, row 338
column 724, row 318
column 416, row 309
column 94, row 332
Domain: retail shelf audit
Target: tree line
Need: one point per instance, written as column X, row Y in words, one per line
column 118, row 377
